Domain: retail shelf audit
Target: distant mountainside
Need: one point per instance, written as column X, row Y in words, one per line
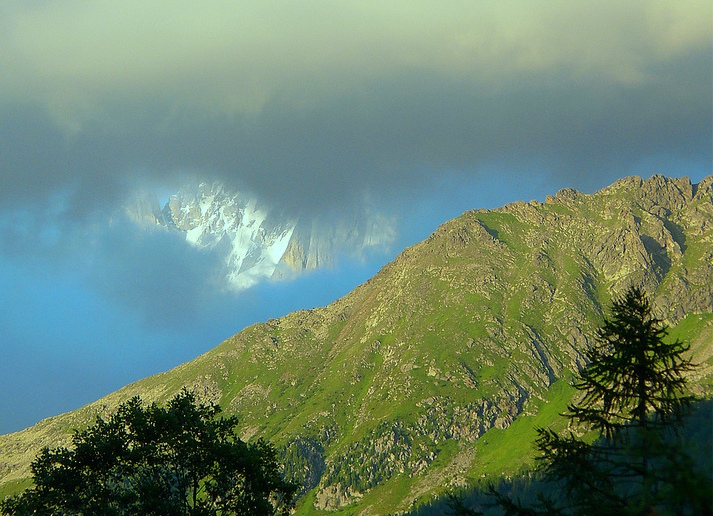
column 255, row 240
column 435, row 372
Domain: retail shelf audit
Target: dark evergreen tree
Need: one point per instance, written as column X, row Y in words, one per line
column 623, row 453
column 634, row 399
column 178, row 460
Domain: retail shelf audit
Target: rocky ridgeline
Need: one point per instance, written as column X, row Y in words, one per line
column 514, row 296
column 384, row 396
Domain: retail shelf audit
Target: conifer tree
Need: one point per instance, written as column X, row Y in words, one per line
column 624, row 453
column 634, row 398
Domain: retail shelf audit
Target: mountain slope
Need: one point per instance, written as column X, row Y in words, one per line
column 435, row 371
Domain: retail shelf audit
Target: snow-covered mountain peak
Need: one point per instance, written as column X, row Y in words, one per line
column 256, row 241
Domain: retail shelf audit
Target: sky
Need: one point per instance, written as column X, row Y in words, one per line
column 426, row 109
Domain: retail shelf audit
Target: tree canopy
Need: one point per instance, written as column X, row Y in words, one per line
column 182, row 459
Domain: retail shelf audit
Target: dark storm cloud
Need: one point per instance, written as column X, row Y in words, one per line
column 38, row 160
column 312, row 107
column 398, row 134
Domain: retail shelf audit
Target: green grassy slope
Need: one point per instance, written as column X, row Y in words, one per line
column 435, row 372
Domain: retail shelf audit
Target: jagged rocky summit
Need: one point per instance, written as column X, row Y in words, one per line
column 436, row 371
column 256, row 241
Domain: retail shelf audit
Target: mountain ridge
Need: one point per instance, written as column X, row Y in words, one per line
column 405, row 386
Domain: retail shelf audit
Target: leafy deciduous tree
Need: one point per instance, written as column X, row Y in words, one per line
column 178, row 460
